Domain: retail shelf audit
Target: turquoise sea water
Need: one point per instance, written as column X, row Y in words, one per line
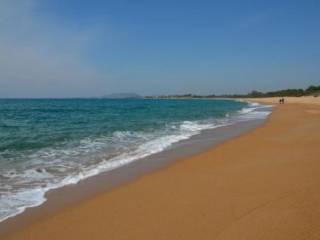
column 49, row 143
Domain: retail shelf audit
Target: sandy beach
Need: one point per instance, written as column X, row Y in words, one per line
column 263, row 184
column 297, row 100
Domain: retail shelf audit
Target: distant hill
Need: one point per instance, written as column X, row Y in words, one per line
column 122, row 96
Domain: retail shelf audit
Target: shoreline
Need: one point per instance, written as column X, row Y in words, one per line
column 64, row 197
column 262, row 184
column 65, row 163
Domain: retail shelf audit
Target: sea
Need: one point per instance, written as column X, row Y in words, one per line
column 46, row 144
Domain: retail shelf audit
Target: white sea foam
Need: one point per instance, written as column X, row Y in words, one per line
column 246, row 110
column 54, row 168
column 254, row 111
column 254, row 104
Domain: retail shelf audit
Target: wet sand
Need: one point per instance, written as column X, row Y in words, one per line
column 264, row 184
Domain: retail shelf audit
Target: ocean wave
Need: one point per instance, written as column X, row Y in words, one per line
column 254, row 111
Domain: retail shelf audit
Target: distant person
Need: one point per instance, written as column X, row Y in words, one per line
column 281, row 100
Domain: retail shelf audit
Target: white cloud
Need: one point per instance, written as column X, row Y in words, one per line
column 39, row 58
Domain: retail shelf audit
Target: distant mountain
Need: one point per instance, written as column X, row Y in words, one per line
column 122, row 96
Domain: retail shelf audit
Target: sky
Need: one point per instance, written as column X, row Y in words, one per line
column 80, row 48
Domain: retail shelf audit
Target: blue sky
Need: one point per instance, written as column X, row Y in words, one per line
column 90, row 48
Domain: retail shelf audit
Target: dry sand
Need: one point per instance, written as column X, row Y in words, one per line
column 297, row 100
column 264, row 184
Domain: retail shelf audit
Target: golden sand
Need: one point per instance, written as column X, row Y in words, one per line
column 296, row 100
column 264, row 184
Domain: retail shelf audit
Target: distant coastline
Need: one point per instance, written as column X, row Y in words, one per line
column 291, row 92
column 122, row 96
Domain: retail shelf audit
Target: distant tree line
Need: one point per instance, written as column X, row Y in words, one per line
column 293, row 92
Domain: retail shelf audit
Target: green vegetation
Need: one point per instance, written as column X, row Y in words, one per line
column 310, row 91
